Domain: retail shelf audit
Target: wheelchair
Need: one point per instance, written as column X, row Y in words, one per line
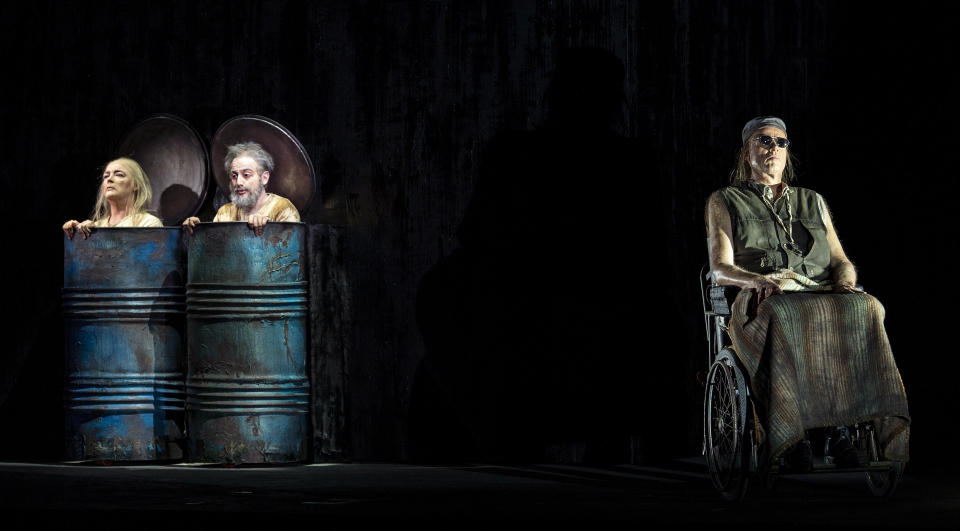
column 731, row 428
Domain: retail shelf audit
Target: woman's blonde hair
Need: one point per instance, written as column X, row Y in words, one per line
column 741, row 170
column 142, row 193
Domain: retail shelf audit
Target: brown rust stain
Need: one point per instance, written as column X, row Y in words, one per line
column 113, row 448
column 281, row 238
column 233, row 452
column 286, row 342
column 262, row 450
column 254, row 422
column 136, row 446
column 228, row 433
column 280, row 263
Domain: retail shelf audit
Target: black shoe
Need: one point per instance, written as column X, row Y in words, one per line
column 799, row 458
column 844, row 454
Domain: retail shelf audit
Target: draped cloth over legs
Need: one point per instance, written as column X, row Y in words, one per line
column 818, row 360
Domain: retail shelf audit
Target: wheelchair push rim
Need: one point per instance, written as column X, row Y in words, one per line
column 727, row 443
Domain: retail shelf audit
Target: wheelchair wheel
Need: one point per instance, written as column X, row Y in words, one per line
column 882, row 482
column 727, row 445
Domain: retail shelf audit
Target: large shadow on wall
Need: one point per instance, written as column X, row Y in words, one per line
column 538, row 328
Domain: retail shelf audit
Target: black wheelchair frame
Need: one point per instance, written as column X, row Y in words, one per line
column 730, row 424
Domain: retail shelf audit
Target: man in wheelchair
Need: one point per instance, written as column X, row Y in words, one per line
column 811, row 343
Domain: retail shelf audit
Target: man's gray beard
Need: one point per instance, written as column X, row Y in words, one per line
column 246, row 201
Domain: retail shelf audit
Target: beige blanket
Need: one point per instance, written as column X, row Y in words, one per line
column 817, row 360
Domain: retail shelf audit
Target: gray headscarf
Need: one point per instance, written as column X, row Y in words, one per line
column 760, row 122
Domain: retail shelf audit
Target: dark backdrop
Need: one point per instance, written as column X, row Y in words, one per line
column 398, row 104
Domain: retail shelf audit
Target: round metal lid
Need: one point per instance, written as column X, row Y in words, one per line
column 292, row 176
column 175, row 159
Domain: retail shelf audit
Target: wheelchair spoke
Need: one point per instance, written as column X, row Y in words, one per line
column 723, row 432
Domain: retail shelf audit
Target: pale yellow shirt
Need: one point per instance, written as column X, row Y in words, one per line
column 274, row 208
column 141, row 220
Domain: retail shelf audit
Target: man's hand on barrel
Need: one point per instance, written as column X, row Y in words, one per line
column 73, row 226
column 257, row 222
column 190, row 222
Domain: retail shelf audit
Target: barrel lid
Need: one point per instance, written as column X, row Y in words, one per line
column 174, row 157
column 292, row 176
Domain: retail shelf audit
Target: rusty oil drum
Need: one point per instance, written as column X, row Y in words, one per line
column 247, row 388
column 123, row 309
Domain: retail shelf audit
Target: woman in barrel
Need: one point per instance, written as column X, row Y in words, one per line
column 124, row 195
column 812, row 342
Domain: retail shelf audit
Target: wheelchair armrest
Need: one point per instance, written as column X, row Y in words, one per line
column 717, row 300
column 722, row 297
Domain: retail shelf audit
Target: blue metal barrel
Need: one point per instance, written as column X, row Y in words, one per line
column 123, row 310
column 247, row 388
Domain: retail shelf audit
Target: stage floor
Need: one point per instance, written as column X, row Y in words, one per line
column 345, row 495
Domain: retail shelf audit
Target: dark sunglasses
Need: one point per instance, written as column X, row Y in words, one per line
column 767, row 141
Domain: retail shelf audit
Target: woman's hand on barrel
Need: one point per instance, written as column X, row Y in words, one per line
column 75, row 227
column 190, row 222
column 69, row 227
column 257, row 222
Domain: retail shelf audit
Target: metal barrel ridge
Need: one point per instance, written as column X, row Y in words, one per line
column 247, row 387
column 123, row 311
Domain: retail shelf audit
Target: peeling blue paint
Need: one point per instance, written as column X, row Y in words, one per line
column 123, row 309
column 247, row 389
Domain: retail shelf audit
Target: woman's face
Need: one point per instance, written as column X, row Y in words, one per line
column 117, row 186
column 768, row 159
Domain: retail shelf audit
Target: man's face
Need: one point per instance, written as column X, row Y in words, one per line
column 246, row 182
column 770, row 159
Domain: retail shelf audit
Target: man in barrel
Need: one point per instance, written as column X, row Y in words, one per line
column 249, row 167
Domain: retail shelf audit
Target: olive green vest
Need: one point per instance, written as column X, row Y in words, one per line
column 759, row 242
